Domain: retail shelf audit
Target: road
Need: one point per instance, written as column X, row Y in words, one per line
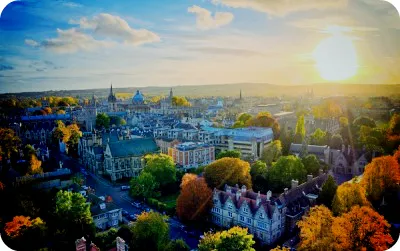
column 103, row 187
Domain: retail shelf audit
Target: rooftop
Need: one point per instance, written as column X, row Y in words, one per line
column 133, row 147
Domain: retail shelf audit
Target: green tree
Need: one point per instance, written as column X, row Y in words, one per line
column 272, row 152
column 72, row 217
column 118, row 121
column 162, row 167
column 244, row 117
column 102, row 120
column 106, row 240
column 286, row 169
column 229, row 153
column 336, row 141
column 286, row 137
column 364, row 121
column 328, row 192
column 319, row 137
column 177, row 245
column 300, row 130
column 234, row 239
column 150, row 232
column 259, row 176
column 348, row 195
column 311, row 164
column 144, row 186
column 229, row 171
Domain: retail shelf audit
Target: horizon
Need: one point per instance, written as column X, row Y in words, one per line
column 80, row 45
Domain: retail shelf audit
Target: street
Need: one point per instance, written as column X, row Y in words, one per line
column 122, row 199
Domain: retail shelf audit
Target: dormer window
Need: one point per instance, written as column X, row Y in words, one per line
column 261, row 216
column 229, row 206
column 245, row 209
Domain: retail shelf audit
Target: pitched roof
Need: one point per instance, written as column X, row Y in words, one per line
column 133, row 147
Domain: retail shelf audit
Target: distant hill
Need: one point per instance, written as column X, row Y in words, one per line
column 232, row 90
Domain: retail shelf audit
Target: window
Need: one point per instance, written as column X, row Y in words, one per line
column 248, row 221
column 216, row 210
column 241, row 218
column 229, row 206
column 245, row 209
column 230, row 214
column 262, row 225
column 261, row 216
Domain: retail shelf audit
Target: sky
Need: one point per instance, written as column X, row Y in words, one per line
column 84, row 44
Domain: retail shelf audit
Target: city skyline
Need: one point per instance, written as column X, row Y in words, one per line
column 82, row 45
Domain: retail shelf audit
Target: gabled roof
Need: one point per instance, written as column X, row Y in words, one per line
column 133, row 147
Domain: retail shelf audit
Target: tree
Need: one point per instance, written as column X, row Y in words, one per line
column 361, row 229
column 102, row 120
column 286, row 169
column 393, row 133
column 144, row 186
column 343, row 122
column 286, row 137
column 363, row 120
column 20, row 224
column 311, row 164
column 236, row 238
column 118, row 121
column 259, row 176
column 180, row 101
column 380, row 176
column 150, row 232
column 348, row 195
column 162, row 167
column 265, row 119
column 229, row 153
column 177, row 245
column 229, row 171
column 315, row 229
column 319, row 137
column 300, row 130
column 272, row 152
column 35, row 165
column 328, row 191
column 9, row 143
column 244, row 117
column 279, row 248
column 72, row 215
column 106, row 240
column 194, row 201
column 336, row 141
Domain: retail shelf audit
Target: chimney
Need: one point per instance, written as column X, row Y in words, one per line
column 244, row 189
column 120, row 244
column 238, row 195
column 258, row 200
column 295, row 183
column 80, row 244
column 285, row 191
column 309, row 177
column 348, row 149
column 269, row 193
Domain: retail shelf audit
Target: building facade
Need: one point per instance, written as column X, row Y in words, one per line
column 192, row 155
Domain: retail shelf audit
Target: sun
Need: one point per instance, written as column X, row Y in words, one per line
column 336, row 58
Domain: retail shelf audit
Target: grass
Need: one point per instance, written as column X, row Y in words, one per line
column 169, row 200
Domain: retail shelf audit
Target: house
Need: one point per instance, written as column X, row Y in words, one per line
column 124, row 158
column 350, row 161
column 104, row 214
column 192, row 155
column 267, row 217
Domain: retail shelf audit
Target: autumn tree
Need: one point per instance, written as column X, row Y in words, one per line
column 194, row 201
column 380, row 176
column 9, row 143
column 229, row 171
column 393, row 133
column 180, row 101
column 279, row 248
column 35, row 165
column 265, row 119
column 150, row 232
column 300, row 133
column 315, row 229
column 234, row 239
column 20, row 224
column 364, row 121
column 361, row 229
column 272, row 152
column 328, row 191
column 311, row 164
column 286, row 169
column 348, row 195
column 228, row 153
column 162, row 167
column 318, row 137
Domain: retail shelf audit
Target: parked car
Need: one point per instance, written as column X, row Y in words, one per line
column 123, row 188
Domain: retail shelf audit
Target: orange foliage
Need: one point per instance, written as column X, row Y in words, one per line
column 348, row 195
column 20, row 223
column 381, row 174
column 194, row 201
column 35, row 165
column 361, row 229
column 2, row 186
column 188, row 177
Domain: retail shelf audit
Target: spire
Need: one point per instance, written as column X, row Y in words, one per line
column 240, row 94
column 171, row 94
column 111, row 91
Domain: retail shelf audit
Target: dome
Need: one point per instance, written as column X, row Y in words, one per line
column 138, row 98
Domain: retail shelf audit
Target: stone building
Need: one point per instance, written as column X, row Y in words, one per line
column 192, row 155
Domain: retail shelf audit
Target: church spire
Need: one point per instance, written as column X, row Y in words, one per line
column 171, row 94
column 111, row 91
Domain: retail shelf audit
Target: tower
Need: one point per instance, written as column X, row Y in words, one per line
column 112, row 101
column 240, row 96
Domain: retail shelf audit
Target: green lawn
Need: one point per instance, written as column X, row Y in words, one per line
column 170, row 200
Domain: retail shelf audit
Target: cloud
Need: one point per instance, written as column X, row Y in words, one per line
column 71, row 5
column 4, row 67
column 282, row 7
column 73, row 40
column 227, row 51
column 205, row 21
column 31, row 42
column 115, row 27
